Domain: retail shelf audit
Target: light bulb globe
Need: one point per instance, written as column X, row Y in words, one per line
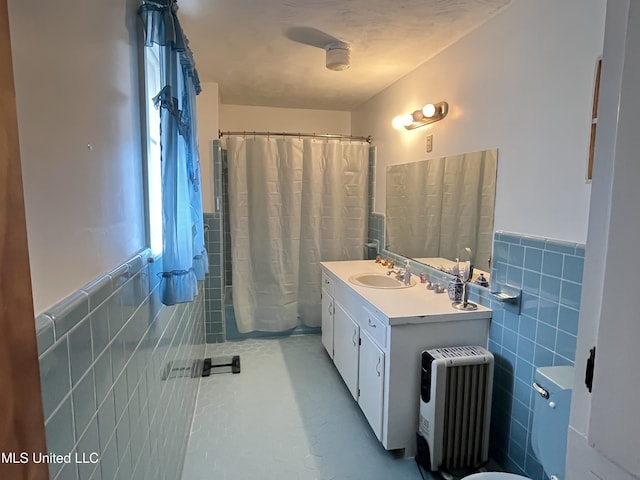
column 398, row 122
column 407, row 119
column 429, row 110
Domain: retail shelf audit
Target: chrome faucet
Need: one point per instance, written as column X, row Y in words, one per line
column 399, row 274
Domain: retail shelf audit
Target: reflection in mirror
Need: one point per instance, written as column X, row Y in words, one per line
column 439, row 208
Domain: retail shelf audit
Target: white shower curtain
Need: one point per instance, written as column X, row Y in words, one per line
column 438, row 207
column 293, row 203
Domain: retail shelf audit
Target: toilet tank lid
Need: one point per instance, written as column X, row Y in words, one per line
column 560, row 376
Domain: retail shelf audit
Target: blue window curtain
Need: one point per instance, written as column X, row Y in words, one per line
column 184, row 257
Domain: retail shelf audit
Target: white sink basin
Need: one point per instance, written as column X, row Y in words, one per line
column 378, row 280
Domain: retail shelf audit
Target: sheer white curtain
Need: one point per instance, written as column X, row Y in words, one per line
column 293, row 203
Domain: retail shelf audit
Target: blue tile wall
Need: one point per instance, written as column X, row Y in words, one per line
column 226, row 222
column 372, row 179
column 214, row 325
column 542, row 333
column 108, row 356
column 376, row 231
column 219, row 266
column 376, row 221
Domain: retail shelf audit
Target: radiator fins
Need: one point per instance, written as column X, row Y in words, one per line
column 464, row 413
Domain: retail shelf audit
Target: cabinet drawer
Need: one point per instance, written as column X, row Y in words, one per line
column 327, row 283
column 374, row 325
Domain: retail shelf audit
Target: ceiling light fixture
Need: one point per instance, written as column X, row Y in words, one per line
column 430, row 113
column 338, row 56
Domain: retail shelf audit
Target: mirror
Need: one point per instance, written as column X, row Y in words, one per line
column 436, row 209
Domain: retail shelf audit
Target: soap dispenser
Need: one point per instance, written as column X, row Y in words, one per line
column 482, row 281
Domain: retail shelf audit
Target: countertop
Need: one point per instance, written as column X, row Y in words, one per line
column 414, row 304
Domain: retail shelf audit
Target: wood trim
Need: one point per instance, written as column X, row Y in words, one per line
column 21, row 420
column 594, row 120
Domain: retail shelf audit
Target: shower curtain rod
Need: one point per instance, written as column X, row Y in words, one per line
column 299, row 135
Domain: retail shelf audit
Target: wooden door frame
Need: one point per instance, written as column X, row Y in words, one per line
column 21, row 418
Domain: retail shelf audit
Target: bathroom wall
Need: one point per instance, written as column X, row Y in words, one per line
column 250, row 118
column 109, row 351
column 208, row 124
column 119, row 376
column 520, row 83
column 79, row 125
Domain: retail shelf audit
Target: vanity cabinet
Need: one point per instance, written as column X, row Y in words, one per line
column 371, row 382
column 327, row 313
column 378, row 336
column 360, row 361
column 346, row 343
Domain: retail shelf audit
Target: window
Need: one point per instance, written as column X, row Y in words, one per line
column 152, row 77
column 174, row 204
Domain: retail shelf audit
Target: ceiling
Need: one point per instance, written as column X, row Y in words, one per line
column 260, row 51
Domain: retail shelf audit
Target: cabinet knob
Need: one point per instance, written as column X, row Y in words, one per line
column 371, row 324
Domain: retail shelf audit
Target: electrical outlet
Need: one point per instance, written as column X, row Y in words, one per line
column 429, row 142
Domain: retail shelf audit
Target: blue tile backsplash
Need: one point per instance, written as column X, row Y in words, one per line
column 108, row 354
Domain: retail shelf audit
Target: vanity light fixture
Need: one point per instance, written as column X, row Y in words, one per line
column 430, row 113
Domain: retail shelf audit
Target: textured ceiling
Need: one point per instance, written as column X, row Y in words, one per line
column 260, row 51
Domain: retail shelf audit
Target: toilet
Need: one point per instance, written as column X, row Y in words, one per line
column 550, row 423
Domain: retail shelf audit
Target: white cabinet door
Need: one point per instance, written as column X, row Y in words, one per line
column 346, row 336
column 327, row 321
column 371, row 383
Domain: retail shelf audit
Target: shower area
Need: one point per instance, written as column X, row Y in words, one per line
column 284, row 202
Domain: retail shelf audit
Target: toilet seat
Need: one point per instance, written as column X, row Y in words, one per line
column 495, row 476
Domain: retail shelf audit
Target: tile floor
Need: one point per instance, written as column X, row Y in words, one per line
column 287, row 415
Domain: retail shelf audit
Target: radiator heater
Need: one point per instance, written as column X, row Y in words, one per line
column 455, row 408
